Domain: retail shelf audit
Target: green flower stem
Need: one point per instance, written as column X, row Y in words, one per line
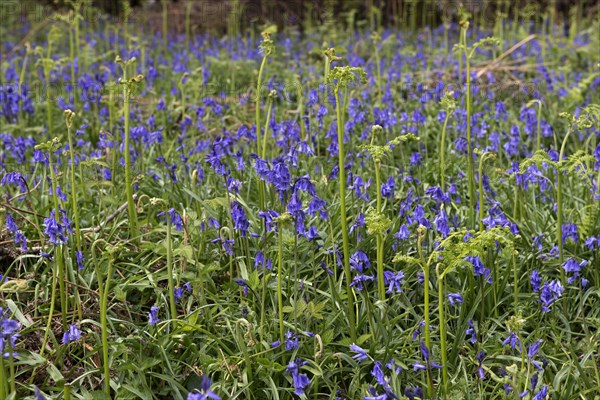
column 442, row 322
column 559, row 207
column 50, row 312
column 515, row 281
column 133, row 230
column 165, row 15
column 172, row 304
column 104, row 323
column 257, row 104
column 279, row 283
column 59, row 250
column 380, row 275
column 11, row 367
column 3, row 383
column 482, row 159
column 72, row 59
column 69, row 121
column 67, row 390
column 539, row 126
column 266, row 133
column 345, row 241
column 443, row 152
column 470, row 169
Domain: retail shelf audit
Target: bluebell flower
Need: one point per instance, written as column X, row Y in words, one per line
column 378, row 374
column 417, row 366
column 38, row 395
column 391, row 365
column 414, row 392
column 71, row 335
column 513, row 340
column 361, row 354
column 360, row 280
column 454, row 298
column 359, row 261
column 153, row 315
column 478, row 268
column 174, row 217
column 387, row 188
column 569, row 231
column 424, row 351
column 226, row 243
column 300, row 381
column 9, row 329
column 403, row 233
column 178, row 293
column 205, row 393
column 80, row 259
column 54, row 230
column 394, row 281
column 240, row 221
column 471, row 331
column 243, row 284
column 532, row 351
column 441, row 224
column 541, row 395
column 14, row 178
column 535, row 280
column 550, row 292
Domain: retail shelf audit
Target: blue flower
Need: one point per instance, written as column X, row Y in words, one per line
column 71, row 335
column 8, row 334
column 205, row 393
column 14, row 178
column 80, row 259
column 569, row 231
column 359, row 261
column 300, row 381
column 513, row 340
column 478, row 268
column 240, row 221
column 54, row 230
column 361, row 354
column 454, row 298
column 471, row 331
column 153, row 315
column 394, row 280
column 550, row 292
column 535, row 280
column 441, row 223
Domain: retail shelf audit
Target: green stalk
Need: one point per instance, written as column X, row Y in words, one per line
column 72, row 59
column 345, row 241
column 441, row 306
column 104, row 324
column 257, row 104
column 443, row 151
column 539, row 126
column 69, row 122
column 470, row 169
column 279, row 283
column 265, row 137
column 11, row 366
column 380, row 275
column 172, row 305
column 59, row 248
column 67, row 390
column 515, row 282
column 133, row 232
column 50, row 312
column 559, row 206
column 165, row 5
column 3, row 383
